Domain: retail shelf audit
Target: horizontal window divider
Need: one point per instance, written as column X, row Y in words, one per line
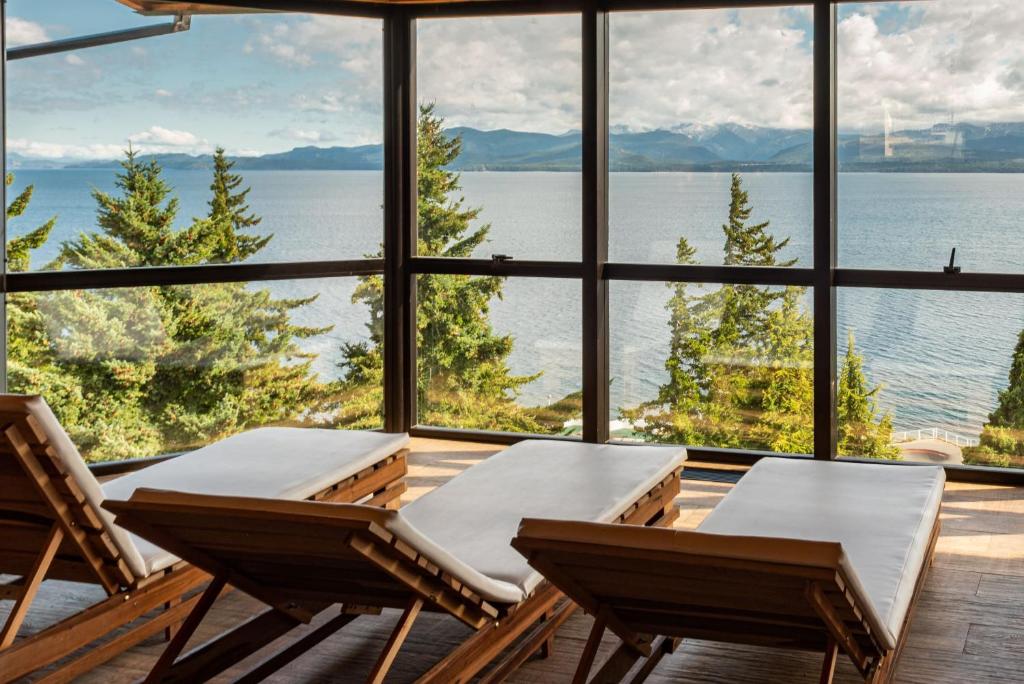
column 496, row 267
column 929, row 280
column 481, row 436
column 739, row 275
column 37, row 281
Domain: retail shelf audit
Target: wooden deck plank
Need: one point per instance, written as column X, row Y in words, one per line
column 968, row 626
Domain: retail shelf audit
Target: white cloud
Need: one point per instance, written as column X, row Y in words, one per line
column 160, row 92
column 512, row 72
column 158, row 135
column 154, row 140
column 960, row 61
column 24, row 32
column 303, row 135
column 750, row 66
column 74, row 60
column 44, row 150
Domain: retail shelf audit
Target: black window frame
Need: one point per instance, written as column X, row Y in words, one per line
column 400, row 265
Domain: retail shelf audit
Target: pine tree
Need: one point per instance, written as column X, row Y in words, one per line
column 693, row 407
column 463, row 374
column 740, row 364
column 170, row 367
column 1002, row 437
column 31, row 364
column 863, row 430
column 230, row 213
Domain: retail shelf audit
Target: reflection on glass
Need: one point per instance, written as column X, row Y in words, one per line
column 931, row 124
column 504, row 96
column 949, row 374
column 727, row 90
column 142, row 371
column 496, row 354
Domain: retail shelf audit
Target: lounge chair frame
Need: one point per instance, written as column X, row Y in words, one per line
column 301, row 559
column 711, row 596
column 48, row 530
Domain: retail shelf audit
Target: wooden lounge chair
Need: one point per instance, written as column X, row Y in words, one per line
column 809, row 555
column 447, row 551
column 52, row 525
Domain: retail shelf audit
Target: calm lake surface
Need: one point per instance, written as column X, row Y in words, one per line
column 940, row 356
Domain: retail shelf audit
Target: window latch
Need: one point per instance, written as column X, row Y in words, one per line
column 501, row 258
column 951, row 269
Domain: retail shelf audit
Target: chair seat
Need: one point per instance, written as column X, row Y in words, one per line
column 273, row 463
column 472, row 518
column 881, row 514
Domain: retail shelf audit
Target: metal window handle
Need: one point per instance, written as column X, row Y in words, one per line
column 951, row 269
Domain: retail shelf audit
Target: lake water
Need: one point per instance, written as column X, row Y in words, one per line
column 940, row 356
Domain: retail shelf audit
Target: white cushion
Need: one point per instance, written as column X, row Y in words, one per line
column 270, row 463
column 466, row 525
column 882, row 514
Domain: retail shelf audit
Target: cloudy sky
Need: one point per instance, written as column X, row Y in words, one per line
column 263, row 83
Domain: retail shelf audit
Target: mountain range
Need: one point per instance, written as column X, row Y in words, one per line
column 687, row 147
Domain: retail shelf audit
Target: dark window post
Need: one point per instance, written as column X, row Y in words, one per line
column 3, row 196
column 595, row 223
column 399, row 221
column 825, row 427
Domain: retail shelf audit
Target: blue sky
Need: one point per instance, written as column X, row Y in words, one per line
column 262, row 83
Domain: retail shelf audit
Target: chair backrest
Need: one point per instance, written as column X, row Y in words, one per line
column 299, row 556
column 755, row 590
column 43, row 480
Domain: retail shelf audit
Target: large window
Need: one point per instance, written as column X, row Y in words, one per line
column 720, row 366
column 930, row 147
column 148, row 370
column 499, row 355
column 727, row 91
column 627, row 226
column 505, row 94
column 293, row 102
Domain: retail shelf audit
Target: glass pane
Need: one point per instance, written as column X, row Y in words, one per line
column 293, row 100
column 722, row 366
column 945, row 373
column 499, row 354
column 501, row 106
column 931, row 147
column 150, row 370
column 725, row 91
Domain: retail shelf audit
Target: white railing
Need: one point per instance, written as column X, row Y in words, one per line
column 934, row 433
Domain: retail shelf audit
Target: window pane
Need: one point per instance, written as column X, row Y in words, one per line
column 503, row 95
column 149, row 370
column 930, row 148
column 722, row 366
column 945, row 372
column 294, row 100
column 499, row 354
column 725, row 91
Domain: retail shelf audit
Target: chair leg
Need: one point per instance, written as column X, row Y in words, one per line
column 395, row 641
column 828, row 665
column 31, row 585
column 188, row 628
column 548, row 649
column 171, row 629
column 590, row 650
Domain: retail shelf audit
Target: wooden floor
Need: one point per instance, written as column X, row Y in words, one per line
column 969, row 625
